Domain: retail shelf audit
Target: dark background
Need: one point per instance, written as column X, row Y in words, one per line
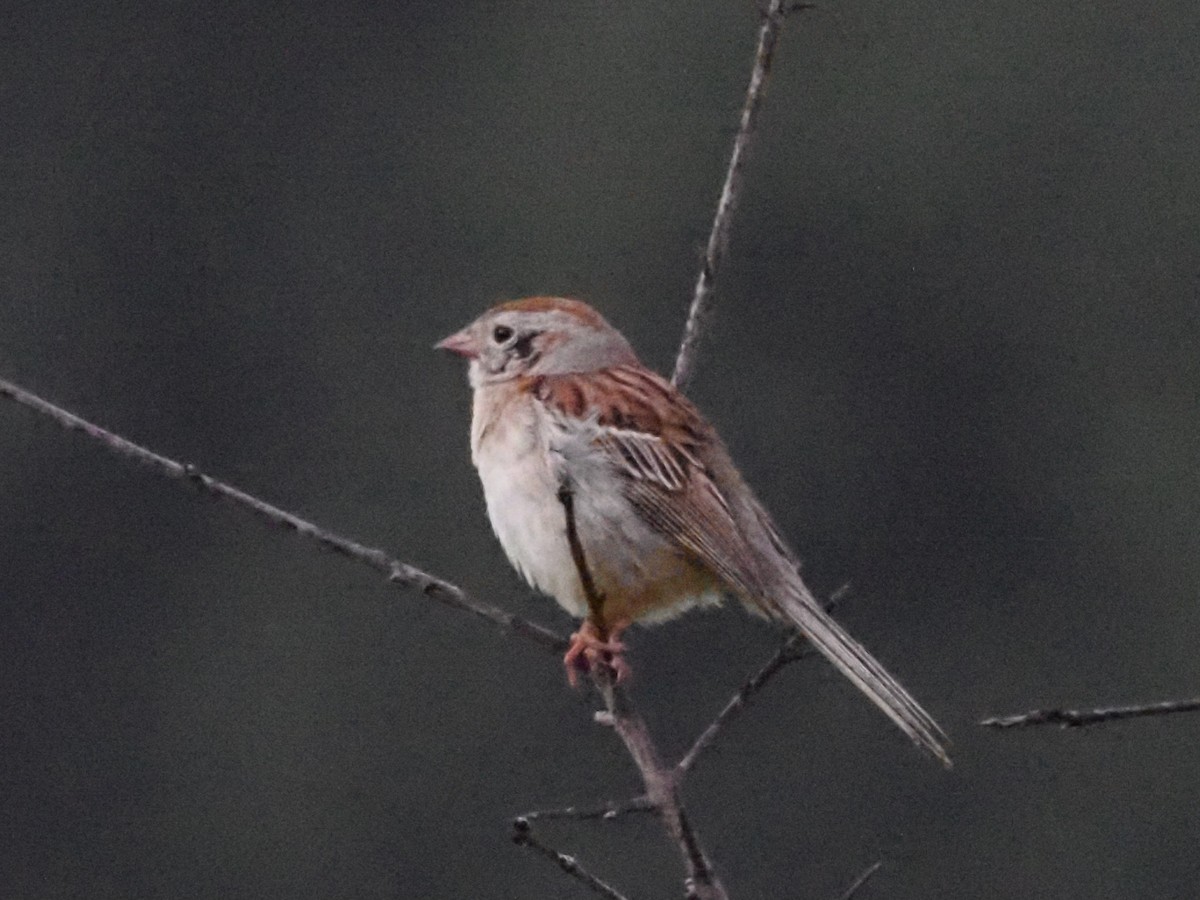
column 956, row 349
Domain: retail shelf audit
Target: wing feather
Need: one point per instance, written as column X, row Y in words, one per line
column 683, row 483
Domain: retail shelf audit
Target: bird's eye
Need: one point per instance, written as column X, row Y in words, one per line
column 501, row 333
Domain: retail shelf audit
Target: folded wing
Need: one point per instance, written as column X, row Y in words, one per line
column 681, row 480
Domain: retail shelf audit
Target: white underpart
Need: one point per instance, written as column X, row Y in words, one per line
column 522, row 459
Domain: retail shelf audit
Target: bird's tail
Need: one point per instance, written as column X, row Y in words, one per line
column 867, row 673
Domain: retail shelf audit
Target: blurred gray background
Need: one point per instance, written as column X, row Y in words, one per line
column 956, row 349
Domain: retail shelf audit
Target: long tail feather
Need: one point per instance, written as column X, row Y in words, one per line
column 866, row 672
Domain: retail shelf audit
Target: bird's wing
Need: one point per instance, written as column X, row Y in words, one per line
column 681, row 481
column 655, row 437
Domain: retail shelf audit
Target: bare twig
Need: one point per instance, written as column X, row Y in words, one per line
column 1074, row 718
column 718, row 237
column 662, row 789
column 606, row 812
column 861, row 880
column 522, row 835
column 661, row 782
column 789, row 652
column 397, row 572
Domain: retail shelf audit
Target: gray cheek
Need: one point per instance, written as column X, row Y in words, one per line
column 493, row 362
column 503, row 364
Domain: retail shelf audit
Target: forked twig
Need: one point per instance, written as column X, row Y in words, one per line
column 399, row 573
column 1075, row 718
column 718, row 236
column 662, row 788
column 661, row 782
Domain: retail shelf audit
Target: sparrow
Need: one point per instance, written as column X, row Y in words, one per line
column 609, row 491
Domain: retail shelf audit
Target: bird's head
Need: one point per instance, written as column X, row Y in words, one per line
column 538, row 336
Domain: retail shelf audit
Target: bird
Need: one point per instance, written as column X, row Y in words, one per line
column 609, row 491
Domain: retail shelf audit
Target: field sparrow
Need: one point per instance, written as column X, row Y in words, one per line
column 662, row 515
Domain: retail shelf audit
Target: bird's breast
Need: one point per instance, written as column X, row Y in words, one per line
column 521, row 492
column 523, row 457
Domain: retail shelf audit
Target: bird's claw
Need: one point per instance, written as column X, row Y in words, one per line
column 592, row 647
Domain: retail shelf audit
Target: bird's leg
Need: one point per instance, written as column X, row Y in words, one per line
column 594, row 644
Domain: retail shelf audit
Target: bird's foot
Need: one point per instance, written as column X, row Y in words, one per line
column 593, row 646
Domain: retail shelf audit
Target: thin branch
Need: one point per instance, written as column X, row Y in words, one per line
column 522, row 835
column 788, row 653
column 595, row 601
column 397, row 572
column 607, row 812
column 661, row 782
column 1074, row 718
column 861, row 880
column 718, row 237
column 662, row 789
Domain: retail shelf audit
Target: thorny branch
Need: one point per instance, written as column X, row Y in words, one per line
column 1075, row 718
column 718, row 236
column 398, row 573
